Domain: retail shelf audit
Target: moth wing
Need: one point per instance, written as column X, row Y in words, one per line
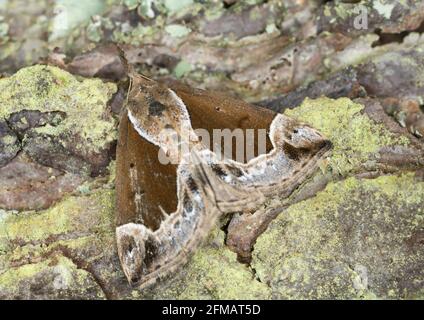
column 227, row 197
column 213, row 110
column 144, row 187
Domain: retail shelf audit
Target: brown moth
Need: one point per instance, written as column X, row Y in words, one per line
column 165, row 210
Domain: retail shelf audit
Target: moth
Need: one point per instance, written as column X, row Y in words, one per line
column 165, row 209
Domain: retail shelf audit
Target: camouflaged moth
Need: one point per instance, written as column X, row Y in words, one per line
column 165, row 210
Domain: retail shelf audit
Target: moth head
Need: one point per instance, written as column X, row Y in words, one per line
column 298, row 135
column 131, row 250
column 156, row 112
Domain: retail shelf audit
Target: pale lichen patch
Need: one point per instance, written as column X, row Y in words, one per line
column 355, row 137
column 352, row 240
column 384, row 9
column 74, row 214
column 40, row 247
column 55, row 274
column 214, row 273
column 50, row 89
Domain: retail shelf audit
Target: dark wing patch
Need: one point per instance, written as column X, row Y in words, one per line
column 156, row 108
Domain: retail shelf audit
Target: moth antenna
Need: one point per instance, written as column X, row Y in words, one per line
column 123, row 58
column 128, row 66
column 129, row 89
column 144, row 77
column 129, row 69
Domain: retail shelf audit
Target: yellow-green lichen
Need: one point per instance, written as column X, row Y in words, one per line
column 214, row 273
column 49, row 89
column 12, row 276
column 64, row 277
column 410, row 191
column 355, row 137
column 74, row 214
column 35, row 247
column 8, row 139
column 344, row 10
column 112, row 173
column 327, row 11
column 354, row 230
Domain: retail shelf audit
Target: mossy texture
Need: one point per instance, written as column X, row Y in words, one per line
column 68, row 216
column 57, row 277
column 50, row 89
column 50, row 249
column 356, row 139
column 73, row 242
column 354, row 240
column 82, row 228
column 214, row 273
column 63, row 121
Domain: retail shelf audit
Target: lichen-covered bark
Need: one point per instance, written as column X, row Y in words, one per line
column 354, row 230
column 355, row 238
column 61, row 125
